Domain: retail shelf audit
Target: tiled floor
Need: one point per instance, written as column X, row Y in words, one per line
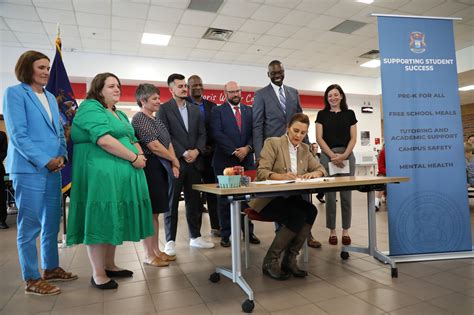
column 360, row 285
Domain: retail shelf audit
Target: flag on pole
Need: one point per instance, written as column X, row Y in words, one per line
column 60, row 86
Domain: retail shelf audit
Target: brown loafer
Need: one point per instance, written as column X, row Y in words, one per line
column 346, row 240
column 314, row 243
column 333, row 240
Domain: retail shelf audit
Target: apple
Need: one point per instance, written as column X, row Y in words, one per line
column 229, row 171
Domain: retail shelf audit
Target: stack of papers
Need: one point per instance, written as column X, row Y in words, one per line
column 298, row 180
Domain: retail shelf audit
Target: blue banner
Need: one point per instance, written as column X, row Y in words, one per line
column 423, row 137
column 60, row 86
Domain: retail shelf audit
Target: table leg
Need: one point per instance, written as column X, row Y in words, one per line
column 236, row 273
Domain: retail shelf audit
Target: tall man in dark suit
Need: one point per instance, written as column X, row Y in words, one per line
column 196, row 90
column 3, row 193
column 273, row 107
column 188, row 135
column 231, row 130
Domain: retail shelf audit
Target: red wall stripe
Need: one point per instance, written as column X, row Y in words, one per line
column 216, row 96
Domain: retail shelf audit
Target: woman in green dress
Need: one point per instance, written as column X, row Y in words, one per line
column 109, row 195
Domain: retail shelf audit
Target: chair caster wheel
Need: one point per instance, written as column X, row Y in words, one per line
column 344, row 255
column 394, row 272
column 215, row 277
column 247, row 306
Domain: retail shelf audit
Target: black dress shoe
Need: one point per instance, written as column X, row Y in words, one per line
column 119, row 273
column 225, row 242
column 3, row 225
column 253, row 239
column 105, row 286
column 321, row 199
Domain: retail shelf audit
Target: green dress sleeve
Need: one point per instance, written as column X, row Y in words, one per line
column 92, row 118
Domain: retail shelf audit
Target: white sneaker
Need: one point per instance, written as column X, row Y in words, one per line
column 170, row 248
column 199, row 242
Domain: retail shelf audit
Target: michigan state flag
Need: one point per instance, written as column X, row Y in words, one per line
column 60, row 86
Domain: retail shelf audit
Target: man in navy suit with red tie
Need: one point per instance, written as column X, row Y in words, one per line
column 231, row 129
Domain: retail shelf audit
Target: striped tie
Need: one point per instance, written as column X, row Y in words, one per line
column 238, row 117
column 282, row 99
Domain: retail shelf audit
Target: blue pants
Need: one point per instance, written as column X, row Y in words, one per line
column 38, row 198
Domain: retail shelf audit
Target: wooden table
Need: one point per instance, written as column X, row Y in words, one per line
column 236, row 196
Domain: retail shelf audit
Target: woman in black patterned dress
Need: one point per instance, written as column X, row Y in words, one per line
column 162, row 165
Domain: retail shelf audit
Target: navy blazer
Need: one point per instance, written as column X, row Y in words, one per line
column 34, row 138
column 227, row 136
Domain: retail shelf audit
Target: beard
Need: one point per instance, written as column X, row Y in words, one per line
column 235, row 100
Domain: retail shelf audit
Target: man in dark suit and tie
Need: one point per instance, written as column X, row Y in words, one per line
column 188, row 135
column 196, row 91
column 231, row 130
column 273, row 107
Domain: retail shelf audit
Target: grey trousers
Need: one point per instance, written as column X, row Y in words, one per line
column 346, row 196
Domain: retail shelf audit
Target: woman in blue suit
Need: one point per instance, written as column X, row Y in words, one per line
column 36, row 155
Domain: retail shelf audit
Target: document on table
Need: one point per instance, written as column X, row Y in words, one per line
column 274, row 182
column 333, row 169
column 314, row 180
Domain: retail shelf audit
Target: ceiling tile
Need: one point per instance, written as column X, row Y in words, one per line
column 130, row 9
column 235, row 47
column 466, row 14
column 258, row 27
column 93, row 20
column 369, row 30
column 202, row 54
column 95, row 33
column 54, row 4
column 243, row 37
column 180, row 41
column 249, row 57
column 270, row 40
column 119, row 46
column 300, row 18
column 179, row 4
column 128, row 24
column 20, row 2
column 283, row 30
column 126, row 36
column 258, row 49
column 390, row 4
column 320, row 7
column 33, row 38
column 306, row 33
column 210, row 44
column 8, row 36
column 365, row 14
column 166, row 28
column 193, row 17
column 280, row 53
column 3, row 25
column 56, row 16
column 225, row 56
column 25, row 26
column 419, row 7
column 96, row 7
column 68, row 43
column 239, row 8
column 228, row 22
column 284, row 3
column 446, row 9
column 270, row 13
column 190, row 31
column 345, row 9
column 325, row 22
column 163, row 14
column 293, row 43
column 96, row 45
column 64, row 30
column 18, row 12
column 151, row 51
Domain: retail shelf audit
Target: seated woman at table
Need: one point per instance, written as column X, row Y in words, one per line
column 287, row 158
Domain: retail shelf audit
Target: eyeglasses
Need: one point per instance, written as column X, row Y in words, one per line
column 234, row 92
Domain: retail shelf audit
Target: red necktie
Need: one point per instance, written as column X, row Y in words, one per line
column 238, row 117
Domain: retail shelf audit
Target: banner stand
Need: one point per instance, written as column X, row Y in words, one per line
column 429, row 216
